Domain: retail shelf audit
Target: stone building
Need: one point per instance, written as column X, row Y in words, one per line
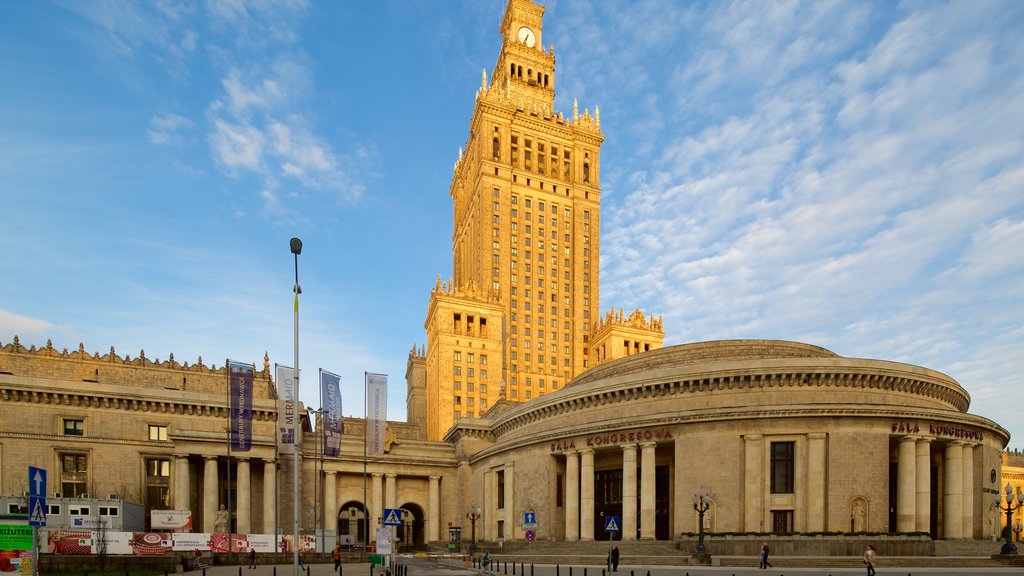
column 520, row 317
column 524, row 399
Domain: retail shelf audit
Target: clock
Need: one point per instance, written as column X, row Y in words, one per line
column 526, row 36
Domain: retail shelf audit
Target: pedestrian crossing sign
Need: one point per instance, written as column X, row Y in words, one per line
column 36, row 517
column 392, row 517
column 612, row 524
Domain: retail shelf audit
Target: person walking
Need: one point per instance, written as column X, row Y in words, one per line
column 615, row 559
column 765, row 564
column 336, row 554
column 870, row 556
column 252, row 558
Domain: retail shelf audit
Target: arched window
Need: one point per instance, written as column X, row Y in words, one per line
column 512, row 72
column 495, row 149
column 520, row 73
column 586, row 172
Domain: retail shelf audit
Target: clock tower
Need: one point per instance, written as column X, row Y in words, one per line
column 519, row 317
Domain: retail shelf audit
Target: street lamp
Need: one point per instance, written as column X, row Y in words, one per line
column 1008, row 546
column 296, row 248
column 701, row 504
column 473, row 514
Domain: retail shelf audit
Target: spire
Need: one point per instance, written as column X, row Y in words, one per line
column 575, row 110
column 483, row 80
column 597, row 115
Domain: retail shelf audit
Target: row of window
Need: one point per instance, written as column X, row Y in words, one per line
column 470, row 357
column 76, row 427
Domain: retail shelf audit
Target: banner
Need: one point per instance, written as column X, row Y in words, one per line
column 170, row 519
column 286, row 407
column 241, row 405
column 376, row 412
column 330, row 394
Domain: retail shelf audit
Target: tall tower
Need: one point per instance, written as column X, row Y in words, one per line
column 526, row 240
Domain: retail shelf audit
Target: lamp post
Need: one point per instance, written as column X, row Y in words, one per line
column 473, row 514
column 296, row 247
column 701, row 505
column 1008, row 546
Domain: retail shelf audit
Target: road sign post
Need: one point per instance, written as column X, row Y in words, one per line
column 36, row 509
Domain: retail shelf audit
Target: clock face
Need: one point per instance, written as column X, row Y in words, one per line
column 526, row 36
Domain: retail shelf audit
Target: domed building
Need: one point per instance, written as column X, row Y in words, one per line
column 781, row 436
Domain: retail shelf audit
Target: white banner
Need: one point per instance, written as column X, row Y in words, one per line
column 170, row 519
column 376, row 412
column 383, row 544
column 286, row 409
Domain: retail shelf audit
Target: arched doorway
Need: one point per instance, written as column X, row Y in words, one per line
column 410, row 534
column 352, row 525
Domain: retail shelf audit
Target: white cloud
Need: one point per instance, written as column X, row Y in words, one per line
column 168, row 129
column 238, row 146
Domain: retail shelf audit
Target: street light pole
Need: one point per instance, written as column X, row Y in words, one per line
column 473, row 514
column 296, row 248
column 701, row 506
column 1010, row 508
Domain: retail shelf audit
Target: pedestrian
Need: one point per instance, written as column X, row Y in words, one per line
column 869, row 559
column 336, row 554
column 301, row 564
column 615, row 559
column 197, row 559
column 252, row 558
column 765, row 564
column 485, row 563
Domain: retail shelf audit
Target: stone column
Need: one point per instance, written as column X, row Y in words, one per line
column 816, row 467
column 924, row 485
column 753, row 483
column 629, row 491
column 376, row 503
column 647, row 485
column 181, row 484
column 244, row 492
column 572, row 496
column 906, row 485
column 390, row 494
column 434, row 510
column 953, row 511
column 587, row 494
column 331, row 500
column 968, row 490
column 211, row 492
column 269, row 496
column 510, row 503
column 487, row 525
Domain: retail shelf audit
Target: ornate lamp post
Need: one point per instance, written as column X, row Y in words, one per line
column 1008, row 546
column 296, row 247
column 473, row 514
column 701, row 505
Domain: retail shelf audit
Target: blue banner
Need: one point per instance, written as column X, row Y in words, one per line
column 241, row 376
column 330, row 394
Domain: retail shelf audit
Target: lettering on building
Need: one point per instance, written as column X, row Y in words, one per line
column 613, row 439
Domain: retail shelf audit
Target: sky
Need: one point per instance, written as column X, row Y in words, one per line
column 846, row 174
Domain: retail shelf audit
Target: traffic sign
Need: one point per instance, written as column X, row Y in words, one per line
column 37, row 496
column 613, row 524
column 531, row 535
column 529, row 517
column 36, row 511
column 37, row 481
column 392, row 517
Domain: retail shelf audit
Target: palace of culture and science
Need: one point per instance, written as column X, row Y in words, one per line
column 528, row 401
column 521, row 316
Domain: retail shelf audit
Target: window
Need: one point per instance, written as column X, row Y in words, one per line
column 158, row 483
column 74, row 427
column 458, row 356
column 782, row 521
column 156, row 467
column 782, row 467
column 458, row 370
column 158, row 433
column 501, row 489
column 74, row 472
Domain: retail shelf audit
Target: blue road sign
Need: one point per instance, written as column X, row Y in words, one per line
column 36, row 511
column 37, row 481
column 37, row 496
column 613, row 524
column 529, row 517
column 392, row 517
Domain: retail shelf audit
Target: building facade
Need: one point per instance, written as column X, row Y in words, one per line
column 525, row 292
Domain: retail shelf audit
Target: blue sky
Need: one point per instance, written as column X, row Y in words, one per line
column 848, row 174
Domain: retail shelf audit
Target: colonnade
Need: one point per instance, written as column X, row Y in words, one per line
column 579, row 505
column 211, row 492
column 913, row 487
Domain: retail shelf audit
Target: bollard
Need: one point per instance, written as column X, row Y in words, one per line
column 275, row 571
column 239, row 571
column 504, row 567
column 584, row 571
column 531, row 570
column 522, row 569
column 570, row 570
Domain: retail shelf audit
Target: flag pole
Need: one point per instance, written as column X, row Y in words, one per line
column 296, row 247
